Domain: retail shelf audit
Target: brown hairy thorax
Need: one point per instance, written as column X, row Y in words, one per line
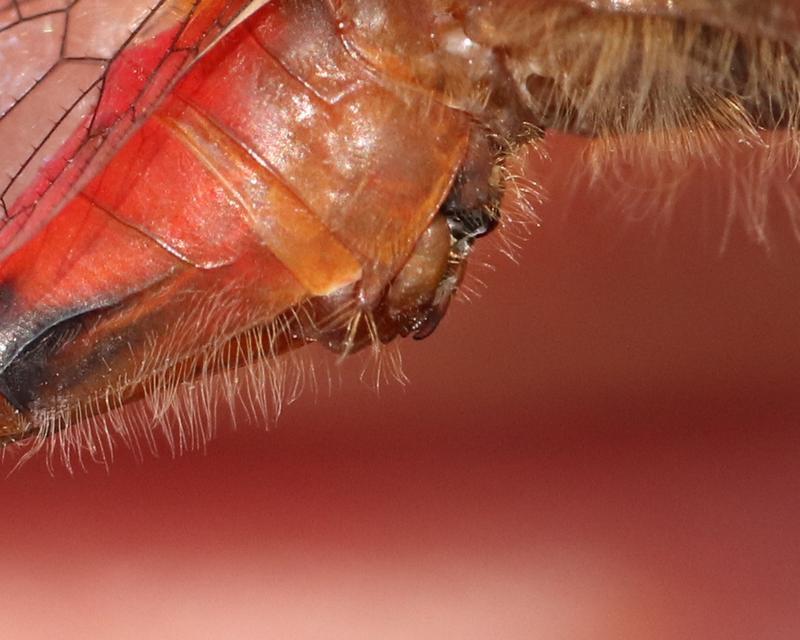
column 776, row 19
column 670, row 88
column 651, row 82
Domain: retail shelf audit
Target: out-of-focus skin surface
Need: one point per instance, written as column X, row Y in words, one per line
column 604, row 445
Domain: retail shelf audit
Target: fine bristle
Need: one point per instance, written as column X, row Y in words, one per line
column 246, row 376
column 180, row 405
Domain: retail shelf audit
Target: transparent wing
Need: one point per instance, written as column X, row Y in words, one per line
column 76, row 76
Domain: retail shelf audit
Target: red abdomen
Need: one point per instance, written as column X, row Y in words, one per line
column 280, row 171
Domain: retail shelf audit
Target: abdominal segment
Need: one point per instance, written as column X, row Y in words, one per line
column 268, row 202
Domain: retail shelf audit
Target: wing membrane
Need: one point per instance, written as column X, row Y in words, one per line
column 76, row 77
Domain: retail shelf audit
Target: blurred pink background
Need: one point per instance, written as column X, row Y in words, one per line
column 604, row 445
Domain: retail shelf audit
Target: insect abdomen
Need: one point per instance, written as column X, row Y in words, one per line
column 280, row 171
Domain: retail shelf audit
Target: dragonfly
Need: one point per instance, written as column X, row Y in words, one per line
column 192, row 189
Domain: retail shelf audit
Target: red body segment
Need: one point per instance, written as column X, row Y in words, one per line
column 308, row 175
